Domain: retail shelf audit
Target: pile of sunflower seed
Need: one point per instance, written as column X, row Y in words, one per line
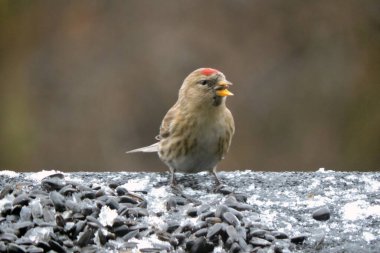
column 59, row 215
column 139, row 212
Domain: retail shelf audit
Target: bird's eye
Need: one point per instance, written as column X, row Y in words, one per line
column 203, row 82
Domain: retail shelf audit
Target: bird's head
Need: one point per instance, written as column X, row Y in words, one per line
column 205, row 86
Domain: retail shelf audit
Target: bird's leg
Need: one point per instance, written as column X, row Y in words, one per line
column 173, row 181
column 217, row 180
column 219, row 186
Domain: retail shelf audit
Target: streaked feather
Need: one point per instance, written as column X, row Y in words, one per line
column 147, row 149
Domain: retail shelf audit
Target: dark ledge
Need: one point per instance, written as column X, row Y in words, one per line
column 324, row 211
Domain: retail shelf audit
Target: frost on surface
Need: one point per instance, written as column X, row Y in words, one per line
column 369, row 236
column 323, row 170
column 150, row 242
column 360, row 209
column 38, row 176
column 157, row 197
column 7, row 200
column 8, row 173
column 139, row 184
column 39, row 234
column 107, row 216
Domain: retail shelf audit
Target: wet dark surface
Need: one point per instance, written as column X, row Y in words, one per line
column 139, row 212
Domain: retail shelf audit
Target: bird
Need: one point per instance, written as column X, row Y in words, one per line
column 196, row 132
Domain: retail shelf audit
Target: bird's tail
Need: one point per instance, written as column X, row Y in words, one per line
column 151, row 148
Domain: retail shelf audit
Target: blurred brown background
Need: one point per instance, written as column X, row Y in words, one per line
column 84, row 81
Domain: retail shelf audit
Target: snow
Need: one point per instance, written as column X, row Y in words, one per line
column 38, row 176
column 315, row 201
column 8, row 173
column 251, row 187
column 38, row 234
column 359, row 209
column 139, row 184
column 368, row 237
column 218, row 249
column 8, row 199
column 149, row 242
column 141, row 244
column 157, row 197
column 323, row 170
column 268, row 217
column 372, row 185
column 189, row 221
column 155, row 221
column 107, row 216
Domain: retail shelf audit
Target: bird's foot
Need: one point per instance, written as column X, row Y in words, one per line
column 173, row 181
column 217, row 180
column 176, row 189
column 223, row 189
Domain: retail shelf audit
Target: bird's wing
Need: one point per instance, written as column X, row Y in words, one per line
column 225, row 140
column 166, row 123
column 151, row 148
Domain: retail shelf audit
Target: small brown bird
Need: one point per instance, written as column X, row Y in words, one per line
column 196, row 132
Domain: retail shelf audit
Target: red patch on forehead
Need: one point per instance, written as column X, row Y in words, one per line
column 209, row 71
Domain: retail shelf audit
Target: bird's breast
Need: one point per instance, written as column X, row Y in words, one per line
column 197, row 148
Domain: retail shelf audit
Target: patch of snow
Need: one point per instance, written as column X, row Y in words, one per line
column 7, row 199
column 38, row 176
column 286, row 227
column 189, row 221
column 351, row 177
column 317, row 201
column 107, row 216
column 190, row 191
column 368, row 237
column 268, row 217
column 218, row 249
column 323, row 170
column 38, row 234
column 144, row 243
column 8, row 173
column 255, row 201
column 115, row 246
column 251, row 187
column 371, row 185
column 316, row 182
column 359, row 209
column 68, row 177
column 208, row 197
column 96, row 238
column 155, row 221
column 159, row 195
column 139, row 184
column 330, row 178
column 224, row 175
column 150, row 242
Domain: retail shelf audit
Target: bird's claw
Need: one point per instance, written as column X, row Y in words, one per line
column 223, row 189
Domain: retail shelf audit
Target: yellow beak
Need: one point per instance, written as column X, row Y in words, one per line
column 224, row 93
column 221, row 89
